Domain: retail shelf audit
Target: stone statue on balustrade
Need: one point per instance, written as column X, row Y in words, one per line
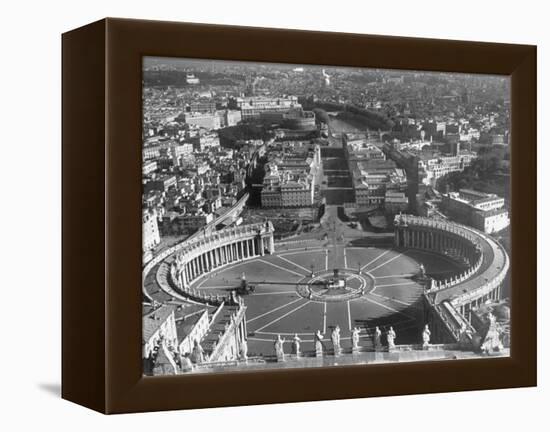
column 296, row 345
column 390, row 337
column 185, row 363
column 244, row 350
column 426, row 333
column 465, row 338
column 355, row 339
column 335, row 337
column 179, row 261
column 492, row 342
column 318, row 343
column 279, row 348
column 422, row 272
column 198, row 352
column 376, row 339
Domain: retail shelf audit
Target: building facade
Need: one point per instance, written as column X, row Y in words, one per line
column 291, row 187
column 150, row 232
column 485, row 212
column 251, row 107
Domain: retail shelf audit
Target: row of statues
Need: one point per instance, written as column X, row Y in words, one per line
column 336, row 343
column 197, row 355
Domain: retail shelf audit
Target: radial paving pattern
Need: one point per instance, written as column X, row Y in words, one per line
column 379, row 290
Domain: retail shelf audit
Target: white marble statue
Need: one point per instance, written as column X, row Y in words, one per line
column 377, row 339
column 198, row 352
column 296, row 345
column 335, row 337
column 244, row 350
column 390, row 336
column 279, row 348
column 422, row 270
column 492, row 342
column 426, row 336
column 319, row 343
column 185, row 363
column 355, row 338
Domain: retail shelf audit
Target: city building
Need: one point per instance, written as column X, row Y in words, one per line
column 161, row 183
column 483, row 211
column 159, row 325
column 290, row 180
column 191, row 327
column 202, row 106
column 178, row 151
column 192, row 79
column 252, row 106
column 433, row 164
column 205, row 120
column 287, row 188
column 427, row 164
column 207, row 141
column 229, row 117
column 395, row 202
column 149, row 167
column 360, row 146
column 491, row 221
column 297, row 193
column 151, row 236
column 373, row 179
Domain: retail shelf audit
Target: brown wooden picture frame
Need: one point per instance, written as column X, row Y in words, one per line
column 102, row 251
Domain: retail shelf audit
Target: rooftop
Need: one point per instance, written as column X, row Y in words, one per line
column 155, row 318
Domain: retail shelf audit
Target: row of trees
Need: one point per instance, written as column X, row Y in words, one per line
column 245, row 131
column 488, row 173
column 361, row 116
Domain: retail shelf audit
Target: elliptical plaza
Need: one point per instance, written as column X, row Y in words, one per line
column 291, row 290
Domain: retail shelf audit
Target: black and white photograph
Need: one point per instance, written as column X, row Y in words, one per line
column 235, row 216
column 301, row 216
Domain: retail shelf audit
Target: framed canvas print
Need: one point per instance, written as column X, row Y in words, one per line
column 299, row 215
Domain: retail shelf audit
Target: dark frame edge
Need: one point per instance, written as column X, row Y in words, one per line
column 83, row 216
column 524, row 218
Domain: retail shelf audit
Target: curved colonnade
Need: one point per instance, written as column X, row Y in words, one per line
column 189, row 260
column 449, row 302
